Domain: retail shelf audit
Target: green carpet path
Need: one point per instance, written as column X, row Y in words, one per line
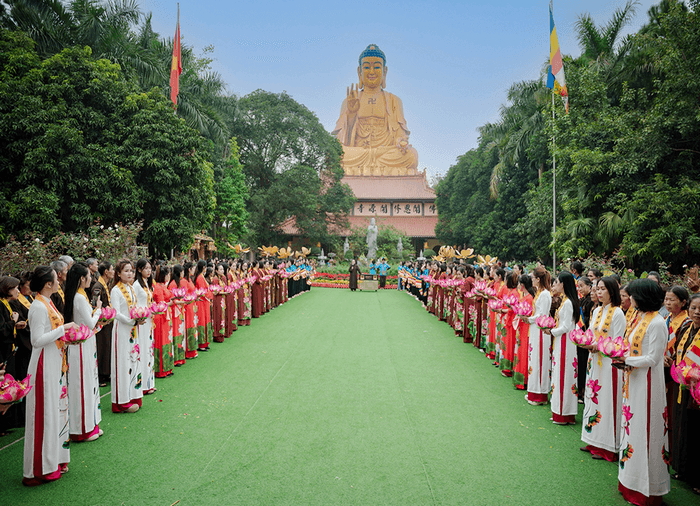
column 333, row 398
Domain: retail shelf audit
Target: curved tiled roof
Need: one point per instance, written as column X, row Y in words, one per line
column 390, row 187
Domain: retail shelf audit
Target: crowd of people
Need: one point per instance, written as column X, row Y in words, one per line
column 634, row 413
column 139, row 321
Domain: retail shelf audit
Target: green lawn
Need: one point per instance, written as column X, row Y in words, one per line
column 333, row 398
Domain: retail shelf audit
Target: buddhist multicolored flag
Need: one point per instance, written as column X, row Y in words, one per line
column 555, row 79
column 176, row 67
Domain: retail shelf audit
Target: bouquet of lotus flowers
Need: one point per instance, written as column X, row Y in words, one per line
column 480, row 286
column 523, row 309
column 189, row 298
column 613, row 347
column 545, row 322
column 179, row 293
column 267, row 278
column 200, row 292
column 73, row 336
column 216, row 289
column 13, row 391
column 685, row 375
column 489, row 293
column 695, row 392
column 107, row 315
column 511, row 300
column 251, row 279
column 159, row 308
column 496, row 304
column 471, row 294
column 139, row 313
column 582, row 337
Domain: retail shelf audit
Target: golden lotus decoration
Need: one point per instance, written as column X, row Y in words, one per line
column 238, row 248
column 466, row 254
column 488, row 260
column 284, row 253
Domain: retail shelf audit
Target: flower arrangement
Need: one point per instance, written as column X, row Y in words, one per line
column 139, row 313
column 471, row 294
column 189, row 298
column 179, row 293
column 107, row 316
column 496, row 304
column 489, row 292
column 480, row 286
column 687, row 376
column 73, row 336
column 582, row 337
column 216, row 289
column 13, row 391
column 523, row 309
column 545, row 322
column 511, row 300
column 159, row 308
column 695, row 392
column 200, row 292
column 613, row 347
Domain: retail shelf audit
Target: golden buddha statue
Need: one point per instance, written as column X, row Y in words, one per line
column 371, row 127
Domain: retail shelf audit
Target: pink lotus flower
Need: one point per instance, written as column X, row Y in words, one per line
column 159, row 308
column 677, row 373
column 73, row 336
column 12, row 391
column 511, row 300
column 189, row 298
column 593, row 389
column 200, row 292
column 613, row 347
column 523, row 309
column 495, row 304
column 627, row 416
column 139, row 313
column 545, row 322
column 107, row 315
column 490, row 293
column 695, row 392
column 582, row 338
column 691, row 373
column 480, row 286
column 216, row 289
column 179, row 293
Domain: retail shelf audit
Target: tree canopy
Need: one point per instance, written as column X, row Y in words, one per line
column 626, row 153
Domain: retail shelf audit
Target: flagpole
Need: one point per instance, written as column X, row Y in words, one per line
column 554, row 192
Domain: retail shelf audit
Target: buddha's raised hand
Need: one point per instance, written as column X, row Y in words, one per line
column 353, row 100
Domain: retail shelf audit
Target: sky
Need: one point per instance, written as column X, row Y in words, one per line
column 450, row 62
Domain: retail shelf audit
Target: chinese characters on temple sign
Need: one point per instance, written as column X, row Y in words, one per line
column 394, row 209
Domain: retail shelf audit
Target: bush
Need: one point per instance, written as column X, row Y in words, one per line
column 428, row 253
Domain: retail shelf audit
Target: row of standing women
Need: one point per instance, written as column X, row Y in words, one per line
column 190, row 307
column 626, row 417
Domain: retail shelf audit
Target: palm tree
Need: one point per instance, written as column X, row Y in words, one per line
column 520, row 121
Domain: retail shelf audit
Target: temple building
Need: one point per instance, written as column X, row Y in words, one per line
column 381, row 166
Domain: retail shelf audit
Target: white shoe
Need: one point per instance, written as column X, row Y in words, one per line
column 133, row 408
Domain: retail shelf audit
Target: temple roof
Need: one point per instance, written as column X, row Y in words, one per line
column 390, row 187
column 412, row 226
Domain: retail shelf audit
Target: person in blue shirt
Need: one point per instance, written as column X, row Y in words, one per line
column 372, row 267
column 383, row 269
column 399, row 269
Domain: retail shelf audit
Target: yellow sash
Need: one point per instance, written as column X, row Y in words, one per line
column 149, row 294
column 673, row 328
column 680, row 357
column 24, row 301
column 635, row 339
column 56, row 321
column 606, row 327
column 104, row 287
column 61, row 294
column 6, row 303
column 630, row 314
column 127, row 294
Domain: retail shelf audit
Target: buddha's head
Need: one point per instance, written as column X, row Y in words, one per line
column 372, row 70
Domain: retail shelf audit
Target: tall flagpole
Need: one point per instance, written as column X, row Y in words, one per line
column 554, row 192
